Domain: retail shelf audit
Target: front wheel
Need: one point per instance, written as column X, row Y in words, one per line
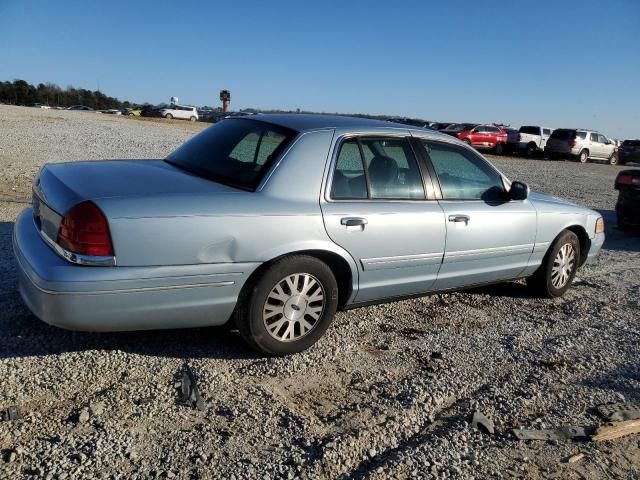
column 613, row 159
column 289, row 307
column 193, row 119
column 168, row 116
column 558, row 268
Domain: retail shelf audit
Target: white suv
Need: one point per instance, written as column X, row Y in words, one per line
column 582, row 145
column 179, row 111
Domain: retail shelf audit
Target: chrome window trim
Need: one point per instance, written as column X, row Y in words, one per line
column 79, row 259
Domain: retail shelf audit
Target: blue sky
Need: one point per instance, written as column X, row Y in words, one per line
column 558, row 63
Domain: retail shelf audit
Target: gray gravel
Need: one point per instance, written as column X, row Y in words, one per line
column 389, row 392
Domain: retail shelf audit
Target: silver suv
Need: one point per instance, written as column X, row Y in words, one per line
column 582, row 145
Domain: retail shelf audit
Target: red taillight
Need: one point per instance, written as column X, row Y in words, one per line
column 572, row 143
column 519, row 138
column 84, row 230
column 628, row 180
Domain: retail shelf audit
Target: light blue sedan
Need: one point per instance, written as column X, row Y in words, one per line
column 277, row 221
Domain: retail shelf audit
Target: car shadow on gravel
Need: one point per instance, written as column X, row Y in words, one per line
column 616, row 239
column 26, row 336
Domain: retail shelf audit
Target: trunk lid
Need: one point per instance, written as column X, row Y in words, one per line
column 63, row 185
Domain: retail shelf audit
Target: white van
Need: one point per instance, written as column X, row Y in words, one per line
column 179, row 111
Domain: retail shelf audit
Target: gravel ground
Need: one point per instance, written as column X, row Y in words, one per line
column 387, row 393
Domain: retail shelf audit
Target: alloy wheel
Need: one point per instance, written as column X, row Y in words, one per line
column 294, row 307
column 563, row 266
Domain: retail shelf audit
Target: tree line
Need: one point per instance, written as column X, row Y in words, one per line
column 20, row 92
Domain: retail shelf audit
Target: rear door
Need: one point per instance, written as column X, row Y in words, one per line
column 596, row 147
column 478, row 136
column 377, row 208
column 489, row 238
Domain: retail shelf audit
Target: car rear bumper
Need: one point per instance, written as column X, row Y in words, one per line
column 88, row 298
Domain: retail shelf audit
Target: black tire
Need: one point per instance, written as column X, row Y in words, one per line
column 613, row 159
column 168, row 116
column 255, row 295
column 583, row 156
column 530, row 150
column 540, row 283
column 499, row 148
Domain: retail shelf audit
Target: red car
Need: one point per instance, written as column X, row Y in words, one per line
column 485, row 136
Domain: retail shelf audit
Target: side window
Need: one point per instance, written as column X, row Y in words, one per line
column 594, row 137
column 388, row 166
column 464, row 175
column 348, row 179
column 479, row 130
column 581, row 135
column 602, row 139
column 392, row 169
column 547, row 131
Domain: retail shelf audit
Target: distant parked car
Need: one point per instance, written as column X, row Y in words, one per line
column 112, row 111
column 40, row 105
column 440, row 125
column 82, row 108
column 150, row 111
column 581, row 144
column 485, row 136
column 132, row 112
column 533, row 139
column 179, row 111
column 629, row 151
column 414, row 122
column 512, row 139
column 628, row 205
column 455, row 128
column 277, row 221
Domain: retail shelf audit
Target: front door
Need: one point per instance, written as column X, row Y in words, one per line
column 489, row 238
column 375, row 207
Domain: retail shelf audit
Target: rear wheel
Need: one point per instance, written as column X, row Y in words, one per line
column 613, row 159
column 289, row 307
column 467, row 141
column 583, row 157
column 558, row 268
column 168, row 116
column 499, row 148
column 530, row 150
column 192, row 118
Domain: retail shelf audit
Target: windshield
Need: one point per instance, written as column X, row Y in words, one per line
column 236, row 152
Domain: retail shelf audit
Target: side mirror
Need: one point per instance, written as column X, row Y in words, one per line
column 519, row 191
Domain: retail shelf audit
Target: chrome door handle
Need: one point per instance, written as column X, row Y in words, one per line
column 353, row 221
column 459, row 218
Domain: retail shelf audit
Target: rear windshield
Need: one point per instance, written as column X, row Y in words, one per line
column 631, row 143
column 236, row 152
column 563, row 134
column 530, row 130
